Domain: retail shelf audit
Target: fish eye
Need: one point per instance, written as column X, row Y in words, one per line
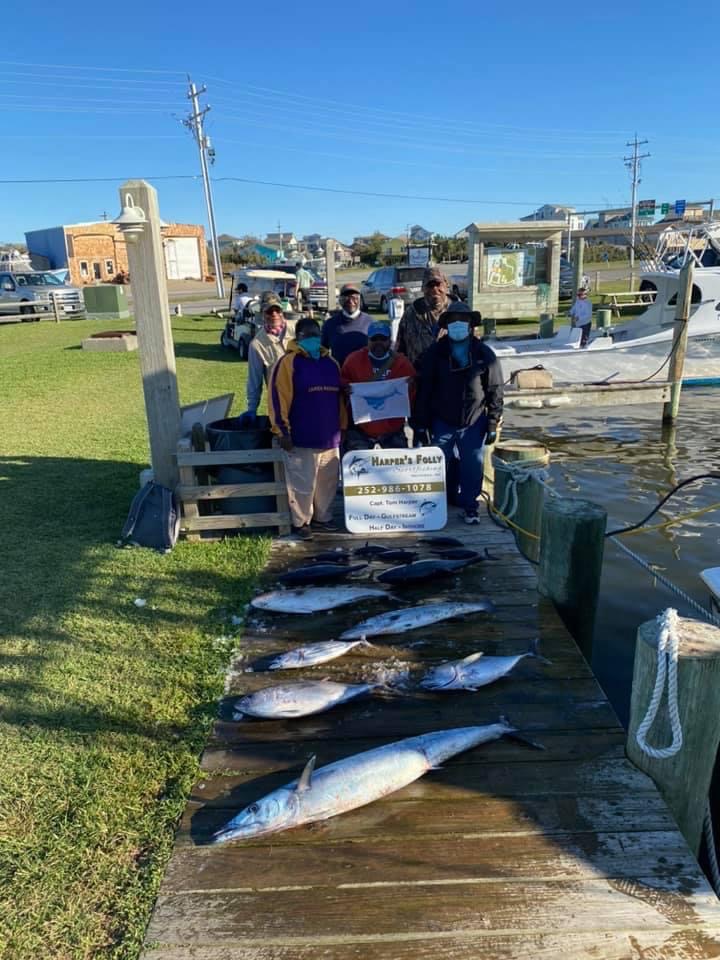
column 254, row 808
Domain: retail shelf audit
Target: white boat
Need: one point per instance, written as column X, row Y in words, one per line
column 636, row 350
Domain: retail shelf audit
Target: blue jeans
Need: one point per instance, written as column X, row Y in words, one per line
column 469, row 444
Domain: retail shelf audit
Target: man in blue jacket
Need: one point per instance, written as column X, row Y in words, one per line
column 460, row 401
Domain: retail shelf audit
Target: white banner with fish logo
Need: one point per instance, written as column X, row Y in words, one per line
column 394, row 490
column 379, row 400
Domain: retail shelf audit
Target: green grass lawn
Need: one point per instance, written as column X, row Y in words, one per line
column 104, row 706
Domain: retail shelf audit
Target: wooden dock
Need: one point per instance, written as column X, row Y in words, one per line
column 504, row 853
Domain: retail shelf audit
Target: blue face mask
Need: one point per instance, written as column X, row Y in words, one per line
column 311, row 346
column 458, row 330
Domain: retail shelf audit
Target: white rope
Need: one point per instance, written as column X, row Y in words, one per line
column 520, row 472
column 667, row 656
column 711, row 851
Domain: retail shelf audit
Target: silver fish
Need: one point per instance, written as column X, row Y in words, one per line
column 475, row 671
column 290, row 700
column 356, row 781
column 411, row 618
column 313, row 599
column 312, row 654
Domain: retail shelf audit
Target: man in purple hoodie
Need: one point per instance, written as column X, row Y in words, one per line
column 307, row 413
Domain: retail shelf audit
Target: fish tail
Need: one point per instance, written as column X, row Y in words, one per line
column 512, row 733
column 535, row 652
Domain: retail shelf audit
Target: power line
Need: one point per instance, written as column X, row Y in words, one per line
column 77, row 66
column 122, row 179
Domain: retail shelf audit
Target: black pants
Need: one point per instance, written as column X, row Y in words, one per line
column 585, row 334
column 356, row 439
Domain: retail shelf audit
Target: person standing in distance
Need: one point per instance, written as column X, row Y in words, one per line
column 460, row 402
column 304, row 280
column 307, row 414
column 346, row 329
column 419, row 325
column 581, row 315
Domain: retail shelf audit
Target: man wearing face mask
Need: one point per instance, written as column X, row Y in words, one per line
column 377, row 362
column 307, row 413
column 346, row 329
column 419, row 326
column 460, row 401
column 266, row 347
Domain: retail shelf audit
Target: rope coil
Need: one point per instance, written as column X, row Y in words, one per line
column 667, row 657
column 520, row 471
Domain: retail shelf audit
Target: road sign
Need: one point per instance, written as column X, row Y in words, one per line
column 664, row 209
column 680, row 207
column 394, row 490
column 646, row 208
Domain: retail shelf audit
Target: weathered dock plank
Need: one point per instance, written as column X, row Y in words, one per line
column 504, row 853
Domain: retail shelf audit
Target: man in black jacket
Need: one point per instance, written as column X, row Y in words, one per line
column 460, row 401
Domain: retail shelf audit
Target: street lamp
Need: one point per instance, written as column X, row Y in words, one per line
column 131, row 220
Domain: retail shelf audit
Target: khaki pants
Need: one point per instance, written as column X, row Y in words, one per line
column 311, row 477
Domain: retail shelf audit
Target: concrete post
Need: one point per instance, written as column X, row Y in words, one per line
column 684, row 778
column 572, row 539
column 152, row 323
column 330, row 273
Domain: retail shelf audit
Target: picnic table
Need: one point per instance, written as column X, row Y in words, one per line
column 620, row 299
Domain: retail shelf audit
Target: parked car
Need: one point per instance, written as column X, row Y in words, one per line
column 567, row 280
column 29, row 292
column 382, row 285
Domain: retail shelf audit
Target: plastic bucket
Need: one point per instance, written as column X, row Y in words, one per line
column 229, row 434
column 603, row 318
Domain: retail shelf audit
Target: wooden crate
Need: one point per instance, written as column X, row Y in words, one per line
column 194, row 489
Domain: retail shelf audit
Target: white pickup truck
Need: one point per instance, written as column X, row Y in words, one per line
column 30, row 292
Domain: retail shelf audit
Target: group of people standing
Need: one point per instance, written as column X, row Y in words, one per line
column 454, row 384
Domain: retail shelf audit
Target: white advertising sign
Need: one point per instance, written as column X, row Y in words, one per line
column 380, row 400
column 395, row 490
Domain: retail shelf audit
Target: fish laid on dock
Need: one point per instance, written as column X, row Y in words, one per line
column 356, row 781
column 288, row 701
column 422, row 570
column 475, row 671
column 412, row 618
column 441, row 541
column 398, row 555
column 371, row 550
column 456, row 553
column 312, row 654
column 339, row 555
column 313, row 599
column 320, row 573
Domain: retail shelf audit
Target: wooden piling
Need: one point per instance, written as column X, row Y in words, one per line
column 572, row 538
column 530, row 493
column 679, row 347
column 683, row 779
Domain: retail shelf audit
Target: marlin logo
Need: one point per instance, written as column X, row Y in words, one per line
column 357, row 466
column 377, row 403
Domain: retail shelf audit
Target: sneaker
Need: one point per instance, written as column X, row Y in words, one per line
column 302, row 533
column 471, row 518
column 328, row 526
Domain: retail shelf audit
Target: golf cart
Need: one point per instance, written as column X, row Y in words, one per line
column 241, row 325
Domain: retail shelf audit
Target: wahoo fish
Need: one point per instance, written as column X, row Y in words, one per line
column 397, row 555
column 421, row 570
column 338, row 555
column 475, row 671
column 313, row 599
column 412, row 618
column 456, row 553
column 312, row 654
column 320, row 573
column 290, row 700
column 356, row 781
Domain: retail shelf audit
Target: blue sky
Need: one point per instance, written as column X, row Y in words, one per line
column 504, row 107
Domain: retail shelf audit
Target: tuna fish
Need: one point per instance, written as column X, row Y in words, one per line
column 331, row 556
column 371, row 550
column 412, row 618
column 422, row 570
column 357, row 780
column 398, row 555
column 290, row 700
column 475, row 671
column 456, row 553
column 314, row 653
column 441, row 541
column 313, row 599
column 320, row 573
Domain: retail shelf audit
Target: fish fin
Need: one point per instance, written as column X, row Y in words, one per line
column 512, row 734
column 533, row 652
column 473, row 657
column 305, row 781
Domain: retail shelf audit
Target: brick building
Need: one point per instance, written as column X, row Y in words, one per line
column 97, row 252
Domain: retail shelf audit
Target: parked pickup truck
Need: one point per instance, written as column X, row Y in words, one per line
column 29, row 292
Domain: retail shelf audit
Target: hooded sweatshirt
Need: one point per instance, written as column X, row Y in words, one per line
column 305, row 401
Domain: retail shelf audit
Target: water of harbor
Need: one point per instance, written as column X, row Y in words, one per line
column 625, row 460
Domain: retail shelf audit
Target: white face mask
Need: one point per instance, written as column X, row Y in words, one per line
column 353, row 315
column 458, row 330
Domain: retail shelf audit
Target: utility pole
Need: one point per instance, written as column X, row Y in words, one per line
column 195, row 124
column 633, row 165
column 280, row 240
